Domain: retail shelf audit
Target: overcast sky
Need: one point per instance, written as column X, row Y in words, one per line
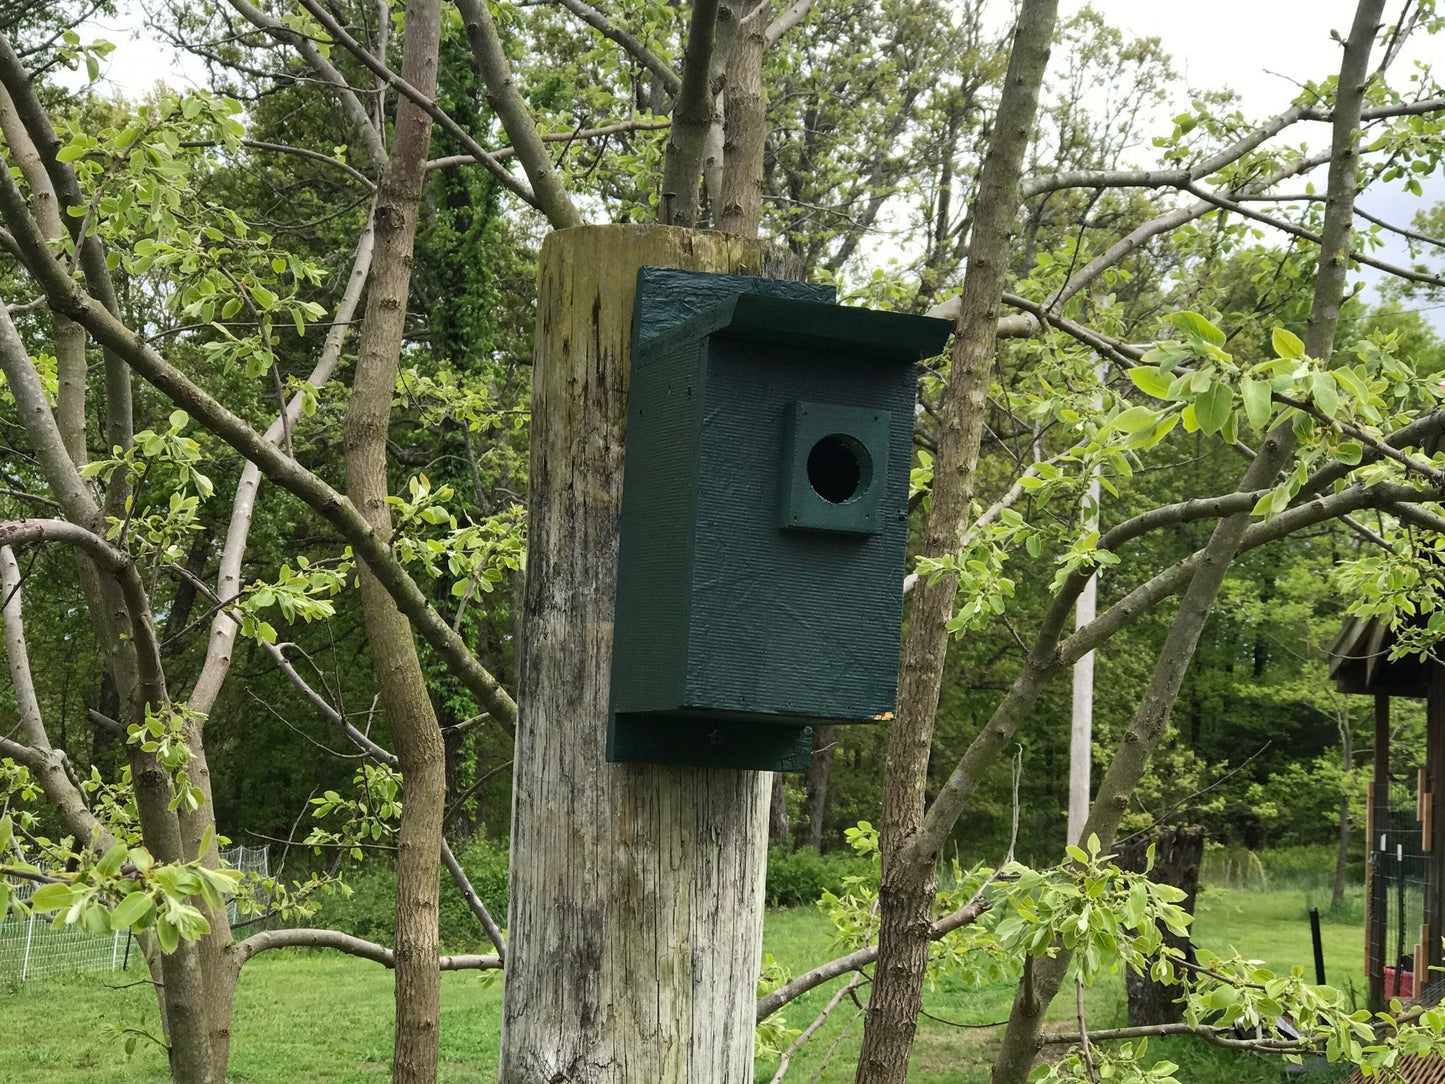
column 1262, row 49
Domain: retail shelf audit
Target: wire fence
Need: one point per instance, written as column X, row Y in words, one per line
column 31, row 948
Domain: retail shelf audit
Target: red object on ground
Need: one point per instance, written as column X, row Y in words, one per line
column 1399, row 984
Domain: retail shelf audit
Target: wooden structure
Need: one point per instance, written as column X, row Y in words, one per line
column 764, row 518
column 1361, row 664
column 1412, row 1070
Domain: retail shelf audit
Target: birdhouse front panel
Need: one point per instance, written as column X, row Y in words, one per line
column 801, row 522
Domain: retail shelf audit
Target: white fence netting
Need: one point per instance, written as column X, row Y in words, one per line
column 31, row 948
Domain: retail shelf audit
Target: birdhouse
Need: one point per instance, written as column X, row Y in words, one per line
column 764, row 517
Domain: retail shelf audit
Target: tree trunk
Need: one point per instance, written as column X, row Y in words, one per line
column 745, row 126
column 404, row 695
column 1342, row 855
column 906, row 891
column 778, row 812
column 815, row 783
column 1178, row 855
column 1021, row 1038
column 636, row 891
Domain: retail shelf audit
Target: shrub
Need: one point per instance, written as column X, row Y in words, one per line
column 800, row 877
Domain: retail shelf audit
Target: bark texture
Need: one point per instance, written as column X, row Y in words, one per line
column 1178, row 853
column 635, row 928
column 691, row 119
column 419, row 746
column 907, row 889
column 745, row 129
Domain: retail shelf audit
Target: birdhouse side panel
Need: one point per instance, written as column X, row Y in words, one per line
column 659, row 496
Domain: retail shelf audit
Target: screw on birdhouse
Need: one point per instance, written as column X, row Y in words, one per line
column 667, row 198
column 715, row 737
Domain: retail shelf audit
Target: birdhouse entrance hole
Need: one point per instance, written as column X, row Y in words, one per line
column 839, row 468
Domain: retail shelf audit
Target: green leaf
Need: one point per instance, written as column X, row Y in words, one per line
column 1257, row 406
column 71, row 151
column 264, row 297
column 1194, row 324
column 1287, row 344
column 1325, row 395
column 168, row 936
column 1135, row 420
column 1150, row 381
column 135, row 908
column 52, row 897
column 1211, row 407
column 109, row 866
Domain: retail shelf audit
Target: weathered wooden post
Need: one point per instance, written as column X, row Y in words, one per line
column 749, row 586
column 637, row 891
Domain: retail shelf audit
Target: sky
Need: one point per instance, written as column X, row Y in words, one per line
column 1261, row 49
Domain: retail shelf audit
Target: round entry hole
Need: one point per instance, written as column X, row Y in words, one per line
column 839, row 468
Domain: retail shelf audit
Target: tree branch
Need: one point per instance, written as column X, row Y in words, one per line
column 632, row 45
column 243, row 505
column 474, row 901
column 68, row 298
column 855, row 961
column 557, row 137
column 425, row 102
column 507, row 102
column 691, row 118
column 790, row 17
column 269, row 940
column 361, row 121
column 17, row 654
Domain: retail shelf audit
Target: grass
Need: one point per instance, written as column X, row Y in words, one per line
column 324, row 1017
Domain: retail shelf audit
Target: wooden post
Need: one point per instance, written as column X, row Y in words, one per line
column 1377, row 819
column 636, row 891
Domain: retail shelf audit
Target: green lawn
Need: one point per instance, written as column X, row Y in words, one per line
column 324, row 1017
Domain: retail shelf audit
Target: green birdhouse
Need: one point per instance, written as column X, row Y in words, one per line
column 764, row 517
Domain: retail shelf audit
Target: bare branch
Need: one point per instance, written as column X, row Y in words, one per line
column 1401, row 230
column 361, row 121
column 474, row 901
column 631, row 44
column 619, row 128
column 17, row 654
column 267, row 940
column 855, row 961
column 509, row 105
column 427, row 104
column 1165, row 178
column 243, row 504
column 794, row 14
column 299, row 152
column 1285, row 226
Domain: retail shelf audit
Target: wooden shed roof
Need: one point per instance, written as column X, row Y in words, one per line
column 1412, row 1070
column 1360, row 662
